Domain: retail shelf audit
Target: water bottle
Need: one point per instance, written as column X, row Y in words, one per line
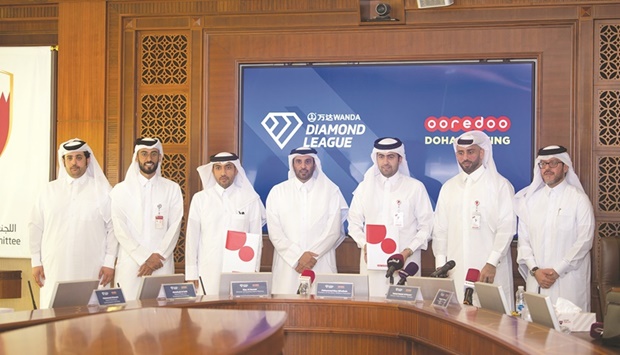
column 520, row 301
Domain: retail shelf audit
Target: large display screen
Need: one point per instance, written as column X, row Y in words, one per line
column 342, row 108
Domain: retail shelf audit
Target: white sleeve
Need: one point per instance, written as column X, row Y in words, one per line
column 192, row 239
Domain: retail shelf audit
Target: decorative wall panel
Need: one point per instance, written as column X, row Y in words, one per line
column 609, row 63
column 163, row 110
column 609, row 117
column 609, row 184
column 609, row 229
column 164, row 59
column 165, row 117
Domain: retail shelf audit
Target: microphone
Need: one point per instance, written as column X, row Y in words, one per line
column 305, row 281
column 596, row 330
column 443, row 271
column 409, row 270
column 394, row 262
column 472, row 276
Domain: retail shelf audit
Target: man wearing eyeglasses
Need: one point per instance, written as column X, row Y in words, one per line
column 556, row 229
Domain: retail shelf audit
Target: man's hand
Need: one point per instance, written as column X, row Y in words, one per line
column 306, row 261
column 106, row 275
column 406, row 253
column 154, row 262
column 487, row 274
column 546, row 277
column 39, row 275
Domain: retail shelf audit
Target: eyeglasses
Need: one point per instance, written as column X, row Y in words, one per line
column 551, row 164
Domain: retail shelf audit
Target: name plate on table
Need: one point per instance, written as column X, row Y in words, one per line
column 249, row 289
column 404, row 293
column 177, row 291
column 443, row 298
column 334, row 290
column 107, row 297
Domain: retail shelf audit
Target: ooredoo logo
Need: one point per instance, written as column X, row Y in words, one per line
column 467, row 123
column 281, row 126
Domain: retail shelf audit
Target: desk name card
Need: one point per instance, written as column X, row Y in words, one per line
column 334, row 290
column 404, row 293
column 249, row 289
column 442, row 298
column 177, row 291
column 107, row 297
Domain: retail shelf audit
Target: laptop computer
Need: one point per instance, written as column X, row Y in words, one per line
column 73, row 293
column 150, row 285
column 541, row 310
column 360, row 282
column 227, row 277
column 430, row 285
column 492, row 297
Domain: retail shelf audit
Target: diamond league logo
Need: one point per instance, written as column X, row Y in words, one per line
column 281, row 126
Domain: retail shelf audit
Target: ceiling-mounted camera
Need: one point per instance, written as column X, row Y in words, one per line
column 383, row 10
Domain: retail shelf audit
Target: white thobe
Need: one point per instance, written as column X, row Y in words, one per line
column 557, row 233
column 455, row 238
column 212, row 213
column 379, row 201
column 300, row 218
column 71, row 233
column 139, row 239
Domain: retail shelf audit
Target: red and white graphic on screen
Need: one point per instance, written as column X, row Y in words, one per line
column 236, row 241
column 5, row 108
column 467, row 123
column 376, row 234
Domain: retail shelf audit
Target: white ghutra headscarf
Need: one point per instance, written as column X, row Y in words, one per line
column 480, row 139
column 102, row 186
column 387, row 145
column 552, row 151
column 130, row 191
column 321, row 183
column 241, row 180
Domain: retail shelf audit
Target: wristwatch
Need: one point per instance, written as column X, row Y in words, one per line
column 533, row 271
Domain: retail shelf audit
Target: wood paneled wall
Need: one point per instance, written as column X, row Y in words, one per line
column 128, row 68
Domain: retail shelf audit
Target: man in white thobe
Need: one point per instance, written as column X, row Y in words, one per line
column 146, row 210
column 556, row 230
column 388, row 195
column 305, row 216
column 227, row 202
column 71, row 234
column 474, row 219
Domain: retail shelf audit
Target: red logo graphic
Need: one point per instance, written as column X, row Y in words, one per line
column 6, row 86
column 458, row 124
column 236, row 241
column 376, row 234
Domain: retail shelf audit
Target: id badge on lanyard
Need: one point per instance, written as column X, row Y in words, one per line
column 159, row 218
column 398, row 216
column 476, row 217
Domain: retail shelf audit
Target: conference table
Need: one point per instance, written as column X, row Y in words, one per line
column 310, row 325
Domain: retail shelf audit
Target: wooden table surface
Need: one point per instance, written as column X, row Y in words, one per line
column 359, row 326
column 156, row 330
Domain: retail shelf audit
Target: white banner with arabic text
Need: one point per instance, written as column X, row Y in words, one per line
column 25, row 111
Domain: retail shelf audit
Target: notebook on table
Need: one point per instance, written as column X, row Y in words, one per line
column 541, row 310
column 73, row 293
column 150, row 285
column 492, row 297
